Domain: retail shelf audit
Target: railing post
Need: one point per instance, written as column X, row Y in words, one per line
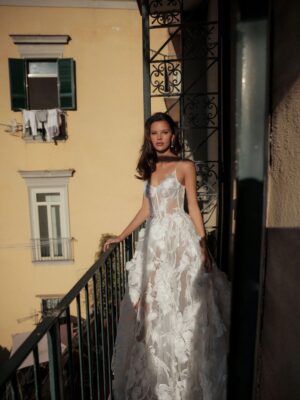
column 55, row 369
column 103, row 341
column 108, row 329
column 70, row 354
column 15, row 387
column 146, row 61
column 117, row 267
column 128, row 246
column 122, row 269
column 112, row 297
column 36, row 369
column 80, row 345
column 96, row 333
column 89, row 340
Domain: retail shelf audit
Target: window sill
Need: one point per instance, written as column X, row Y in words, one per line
column 55, row 251
column 52, row 262
column 39, row 139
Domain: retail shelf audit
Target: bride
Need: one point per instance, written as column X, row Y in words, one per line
column 172, row 337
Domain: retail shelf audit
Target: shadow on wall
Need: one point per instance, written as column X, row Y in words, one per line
column 280, row 337
column 286, row 40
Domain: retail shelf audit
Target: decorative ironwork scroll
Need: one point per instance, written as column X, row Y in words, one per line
column 200, row 40
column 165, row 12
column 201, row 110
column 207, row 189
column 166, row 78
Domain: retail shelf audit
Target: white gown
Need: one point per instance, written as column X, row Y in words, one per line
column 175, row 346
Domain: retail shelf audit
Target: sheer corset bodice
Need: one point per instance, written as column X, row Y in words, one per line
column 167, row 198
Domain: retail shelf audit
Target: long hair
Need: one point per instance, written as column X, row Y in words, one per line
column 148, row 158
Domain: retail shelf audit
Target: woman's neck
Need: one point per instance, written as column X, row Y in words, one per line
column 169, row 158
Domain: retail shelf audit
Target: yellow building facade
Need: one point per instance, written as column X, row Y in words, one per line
column 97, row 161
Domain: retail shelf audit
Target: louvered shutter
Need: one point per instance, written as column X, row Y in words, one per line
column 66, row 84
column 17, row 78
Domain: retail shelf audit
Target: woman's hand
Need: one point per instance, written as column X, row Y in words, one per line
column 207, row 262
column 116, row 239
column 206, row 255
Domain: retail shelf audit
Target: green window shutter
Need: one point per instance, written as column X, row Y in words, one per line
column 17, row 78
column 66, row 84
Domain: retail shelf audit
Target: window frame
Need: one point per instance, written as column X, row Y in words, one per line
column 29, row 77
column 48, row 311
column 49, row 182
column 64, row 224
column 66, row 82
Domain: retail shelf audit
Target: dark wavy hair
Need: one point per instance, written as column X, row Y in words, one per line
column 148, row 158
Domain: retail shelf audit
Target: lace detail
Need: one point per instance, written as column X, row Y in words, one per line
column 175, row 346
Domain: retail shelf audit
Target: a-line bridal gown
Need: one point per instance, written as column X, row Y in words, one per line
column 174, row 347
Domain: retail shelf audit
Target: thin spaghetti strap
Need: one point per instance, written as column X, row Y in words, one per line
column 175, row 173
column 174, row 170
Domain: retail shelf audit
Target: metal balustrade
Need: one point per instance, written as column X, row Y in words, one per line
column 74, row 362
column 52, row 249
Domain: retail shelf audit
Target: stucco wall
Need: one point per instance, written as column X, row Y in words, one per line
column 280, row 337
column 284, row 173
column 105, row 134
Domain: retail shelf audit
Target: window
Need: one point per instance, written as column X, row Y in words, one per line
column 39, row 84
column 42, row 84
column 50, row 225
column 48, row 304
column 48, row 201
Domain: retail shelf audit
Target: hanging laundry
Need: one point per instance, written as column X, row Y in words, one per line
column 42, row 117
column 46, row 123
column 30, row 122
column 53, row 123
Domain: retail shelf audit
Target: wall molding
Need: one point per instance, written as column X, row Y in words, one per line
column 40, row 46
column 47, row 178
column 40, row 39
column 115, row 4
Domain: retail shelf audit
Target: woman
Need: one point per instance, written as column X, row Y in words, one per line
column 173, row 328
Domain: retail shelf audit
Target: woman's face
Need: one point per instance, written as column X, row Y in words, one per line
column 161, row 136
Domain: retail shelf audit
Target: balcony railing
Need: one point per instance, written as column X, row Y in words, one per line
column 52, row 249
column 78, row 338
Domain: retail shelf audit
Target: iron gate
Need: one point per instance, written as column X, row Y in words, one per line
column 182, row 76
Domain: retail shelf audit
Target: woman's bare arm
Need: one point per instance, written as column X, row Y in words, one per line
column 139, row 218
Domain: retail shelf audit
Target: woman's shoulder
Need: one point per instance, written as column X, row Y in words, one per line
column 186, row 165
column 186, row 161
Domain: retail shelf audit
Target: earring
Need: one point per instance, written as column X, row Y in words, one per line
column 172, row 144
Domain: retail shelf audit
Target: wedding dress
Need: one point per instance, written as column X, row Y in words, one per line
column 174, row 346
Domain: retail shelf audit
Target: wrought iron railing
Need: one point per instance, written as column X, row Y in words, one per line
column 183, row 67
column 208, row 196
column 68, row 355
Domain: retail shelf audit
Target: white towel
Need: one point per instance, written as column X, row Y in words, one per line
column 29, row 117
column 42, row 117
column 26, row 121
column 53, row 123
